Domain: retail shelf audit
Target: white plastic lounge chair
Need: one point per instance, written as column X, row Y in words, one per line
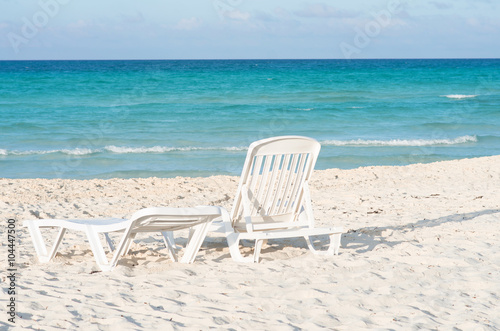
column 273, row 199
column 163, row 220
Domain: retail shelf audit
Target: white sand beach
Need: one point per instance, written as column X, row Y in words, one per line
column 421, row 251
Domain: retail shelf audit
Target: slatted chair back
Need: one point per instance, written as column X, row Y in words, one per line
column 273, row 183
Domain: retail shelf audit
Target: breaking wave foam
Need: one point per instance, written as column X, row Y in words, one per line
column 164, row 149
column 460, row 96
column 167, row 149
column 119, row 150
column 78, row 151
column 138, row 150
column 75, row 151
column 401, row 142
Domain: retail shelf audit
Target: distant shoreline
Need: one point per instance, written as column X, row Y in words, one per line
column 264, row 59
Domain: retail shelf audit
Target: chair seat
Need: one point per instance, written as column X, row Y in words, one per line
column 100, row 224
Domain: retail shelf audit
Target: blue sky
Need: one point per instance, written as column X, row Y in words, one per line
column 249, row 29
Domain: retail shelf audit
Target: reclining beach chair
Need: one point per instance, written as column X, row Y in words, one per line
column 273, row 200
column 164, row 220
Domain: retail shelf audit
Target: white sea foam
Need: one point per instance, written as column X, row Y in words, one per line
column 234, row 148
column 35, row 152
column 164, row 149
column 400, row 142
column 137, row 150
column 78, row 151
column 27, row 152
column 75, row 151
column 459, row 96
column 119, row 150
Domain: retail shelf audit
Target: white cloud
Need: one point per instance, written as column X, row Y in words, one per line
column 473, row 22
column 441, row 4
column 80, row 24
column 236, row 14
column 321, row 10
column 133, row 18
column 189, row 24
column 282, row 12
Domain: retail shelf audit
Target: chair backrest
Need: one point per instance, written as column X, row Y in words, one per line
column 272, row 184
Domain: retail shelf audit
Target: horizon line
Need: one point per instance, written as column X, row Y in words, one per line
column 260, row 59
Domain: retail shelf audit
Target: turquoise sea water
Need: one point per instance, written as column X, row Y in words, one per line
column 104, row 119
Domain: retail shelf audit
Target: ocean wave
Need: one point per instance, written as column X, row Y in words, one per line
column 79, row 151
column 137, row 150
column 119, row 150
column 75, row 151
column 459, row 96
column 401, row 142
column 165, row 149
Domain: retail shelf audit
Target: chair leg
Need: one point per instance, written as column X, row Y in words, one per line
column 97, row 249
column 335, row 242
column 233, row 241
column 191, row 233
column 109, row 241
column 168, row 238
column 196, row 239
column 56, row 244
column 333, row 248
column 39, row 243
column 257, row 249
column 122, row 249
column 128, row 243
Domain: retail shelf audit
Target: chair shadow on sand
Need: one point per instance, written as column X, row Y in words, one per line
column 360, row 240
column 322, row 242
column 366, row 239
